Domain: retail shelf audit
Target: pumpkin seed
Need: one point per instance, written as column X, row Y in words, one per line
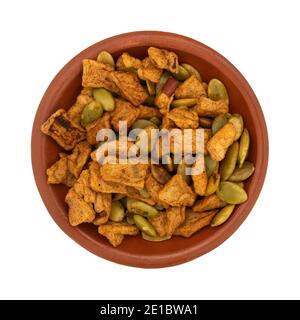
column 150, row 87
column 243, row 173
column 182, row 74
column 145, row 236
column 144, row 225
column 117, row 211
column 228, row 164
column 192, row 71
column 163, row 79
column 106, row 57
column 211, row 165
column 219, row 122
column 217, row 91
column 205, row 122
column 142, row 124
column 212, row 184
column 238, row 122
column 105, row 98
column 188, row 102
column 244, row 147
column 91, row 113
column 141, row 208
column 222, row 216
column 231, row 193
column 156, row 121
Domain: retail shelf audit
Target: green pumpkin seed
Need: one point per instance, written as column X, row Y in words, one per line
column 105, row 98
column 144, row 225
column 150, row 101
column 117, row 212
column 219, row 122
column 181, row 169
column 243, row 173
column 231, row 193
column 142, row 124
column 205, row 122
column 150, row 87
column 222, row 216
column 244, row 147
column 163, row 79
column 145, row 236
column 212, row 184
column 182, row 74
column 238, row 122
column 141, row 208
column 156, row 121
column 217, row 91
column 106, row 57
column 91, row 113
column 130, row 220
column 228, row 164
column 192, row 71
column 211, row 165
column 188, row 102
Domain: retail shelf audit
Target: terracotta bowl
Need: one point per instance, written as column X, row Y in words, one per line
column 135, row 251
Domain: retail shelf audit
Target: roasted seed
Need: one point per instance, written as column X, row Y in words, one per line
column 182, row 74
column 144, row 225
column 228, row 164
column 238, row 122
column 211, row 165
column 243, row 173
column 231, row 193
column 117, row 211
column 212, row 184
column 188, row 102
column 91, row 113
column 219, row 122
column 244, row 147
column 105, row 98
column 217, row 91
column 145, row 236
column 222, row 216
column 192, row 71
column 106, row 57
column 163, row 79
column 141, row 208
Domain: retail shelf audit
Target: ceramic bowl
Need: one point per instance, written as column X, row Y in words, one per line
column 134, row 251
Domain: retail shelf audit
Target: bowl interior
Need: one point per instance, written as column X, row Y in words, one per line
column 135, row 251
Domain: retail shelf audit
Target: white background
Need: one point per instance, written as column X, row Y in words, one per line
column 261, row 260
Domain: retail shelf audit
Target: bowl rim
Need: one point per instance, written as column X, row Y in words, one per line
column 146, row 38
